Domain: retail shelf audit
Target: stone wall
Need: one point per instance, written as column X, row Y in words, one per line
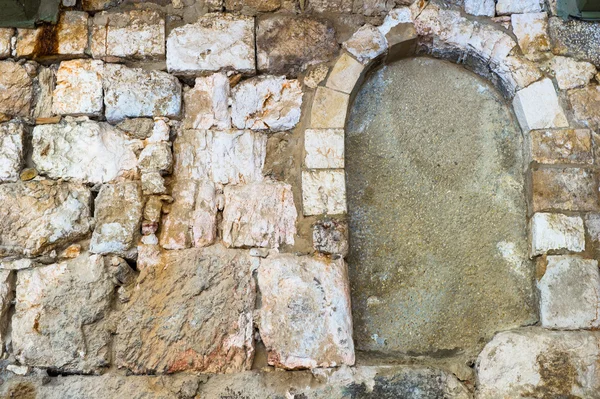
column 173, row 196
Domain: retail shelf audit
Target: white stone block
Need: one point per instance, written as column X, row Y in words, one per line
column 78, row 88
column 11, row 151
column 345, row 74
column 531, row 31
column 401, row 15
column 537, row 107
column 486, row 8
column 571, row 73
column 329, row 109
column 555, row 231
column 505, row 7
column 324, row 148
column 207, row 103
column 366, row 44
column 324, row 192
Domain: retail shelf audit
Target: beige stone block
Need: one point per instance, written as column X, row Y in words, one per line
column 366, row 44
column 568, row 189
column 78, row 88
column 68, row 38
column 562, row 146
column 537, row 107
column 329, row 109
column 324, row 192
column 571, row 73
column 6, row 35
column 345, row 74
column 555, row 231
column 531, row 31
column 324, row 148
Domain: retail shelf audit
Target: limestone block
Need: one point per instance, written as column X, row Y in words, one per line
column 329, row 109
column 535, row 362
column 78, row 88
column 99, row 5
column 287, row 45
column 330, row 236
column 571, row 73
column 84, row 150
column 133, row 92
column 118, row 214
column 568, row 189
column 156, row 157
column 531, row 31
column 366, row 44
column 139, row 128
column 252, row 7
column 6, row 35
column 505, row 7
column 52, row 325
column 324, row 192
column 161, row 131
column 206, row 323
column 562, row 146
column 554, row 231
column 371, row 8
column 260, row 214
column 11, row 151
column 485, row 8
column 137, row 34
column 267, row 103
column 216, row 42
column 305, row 316
column 575, row 38
column 41, row 215
column 324, row 148
column 586, row 105
column 570, row 293
column 16, row 90
column 397, row 16
column 537, row 107
column 516, row 73
column 207, row 103
column 44, row 85
column 345, row 74
column 7, row 288
column 338, row 6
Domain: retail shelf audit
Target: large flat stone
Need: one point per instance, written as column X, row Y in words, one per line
column 537, row 107
column 555, row 232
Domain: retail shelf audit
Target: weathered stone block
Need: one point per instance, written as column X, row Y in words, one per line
column 139, row 128
column 570, row 293
column 68, row 38
column 156, row 157
column 206, row 323
column 7, row 289
column 366, row 44
column 99, row 5
column 41, row 215
column 78, row 88
column 83, row 150
column 345, row 74
column 554, row 231
column 562, row 146
column 6, row 35
column 339, row 6
column 576, row 39
column 330, row 236
column 480, row 7
column 207, row 103
column 324, row 148
column 52, row 326
column 252, row 7
column 329, row 109
column 260, row 214
column 16, row 90
column 537, row 107
column 586, row 105
column 531, row 31
column 287, row 45
column 505, row 7
column 266, row 103
column 305, row 316
column 137, row 34
column 570, row 189
column 11, row 151
column 323, row 192
column 571, row 73
column 216, row 42
column 133, row 92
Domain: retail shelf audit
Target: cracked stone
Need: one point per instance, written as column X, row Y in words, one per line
column 569, row 189
column 156, row 157
column 207, row 103
column 78, row 88
column 562, row 146
column 11, row 151
column 366, row 44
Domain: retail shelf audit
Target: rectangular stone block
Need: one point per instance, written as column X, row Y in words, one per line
column 506, row 7
column 586, row 105
column 329, row 109
column 571, row 73
column 537, row 107
column 562, row 146
column 568, row 189
column 531, row 30
column 17, row 90
column 78, row 88
column 366, row 44
column 324, row 148
column 345, row 74
column 11, row 150
column 555, row 231
column 207, row 103
column 324, row 192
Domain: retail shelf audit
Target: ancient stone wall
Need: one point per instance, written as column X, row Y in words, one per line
column 172, row 197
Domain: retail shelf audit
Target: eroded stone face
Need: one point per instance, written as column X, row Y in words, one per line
column 567, row 189
column 586, row 105
column 78, row 88
column 366, row 44
column 562, row 146
column 554, row 231
column 6, row 34
column 11, row 150
column 571, row 73
column 16, row 90
column 575, row 38
column 537, row 107
column 504, row 7
column 207, row 103
column 531, row 30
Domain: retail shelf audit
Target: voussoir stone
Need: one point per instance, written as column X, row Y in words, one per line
column 206, row 105
column 216, row 42
column 537, row 107
column 84, row 150
column 287, row 45
column 204, row 325
column 16, row 90
column 586, row 105
column 324, row 192
column 305, row 317
column 505, row 7
column 52, row 326
column 78, row 88
column 366, row 44
column 555, row 231
column 134, row 92
column 40, row 215
column 12, row 135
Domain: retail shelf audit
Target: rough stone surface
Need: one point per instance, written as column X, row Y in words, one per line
column 537, row 107
column 576, row 39
column 252, row 6
column 43, row 89
column 554, row 232
column 52, row 326
column 7, row 289
column 562, row 146
column 287, row 45
column 480, row 7
column 323, row 192
column 39, row 216
column 207, row 103
column 118, row 213
column 330, row 236
column 329, row 109
column 156, row 157
column 260, row 214
column 586, row 105
column 571, row 73
column 568, row 189
column 505, row 7
column 139, row 128
column 216, row 42
column 320, row 6
column 137, row 34
column 366, row 44
column 539, row 363
column 305, row 319
column 266, row 103
column 88, row 151
column 11, row 151
column 570, row 293
column 78, row 88
column 345, row 74
column 16, row 90
column 6, row 35
column 531, row 31
column 99, row 5
column 204, row 325
column 324, row 148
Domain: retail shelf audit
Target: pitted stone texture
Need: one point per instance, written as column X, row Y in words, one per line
column 480, row 7
column 324, row 148
column 191, row 220
column 38, row 216
column 397, row 16
column 83, row 150
column 260, row 214
column 78, row 88
column 576, row 39
column 329, row 109
column 305, row 318
column 43, row 88
column 537, row 107
column 53, row 326
column 571, row 73
column 505, row 7
column 204, row 325
column 267, row 103
column 287, row 45
column 6, row 35
column 12, row 135
column 323, row 192
column 371, row 8
column 366, row 44
column 586, row 105
column 139, row 128
column 134, row 92
column 16, row 90
column 225, row 157
column 531, row 31
column 538, row 363
column 137, row 34
column 118, row 213
column 7, row 289
column 216, row 42
column 570, row 293
column 562, row 146
column 345, row 74
column 555, row 232
column 320, row 6
column 569, row 189
column 207, row 103
column 330, row 236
